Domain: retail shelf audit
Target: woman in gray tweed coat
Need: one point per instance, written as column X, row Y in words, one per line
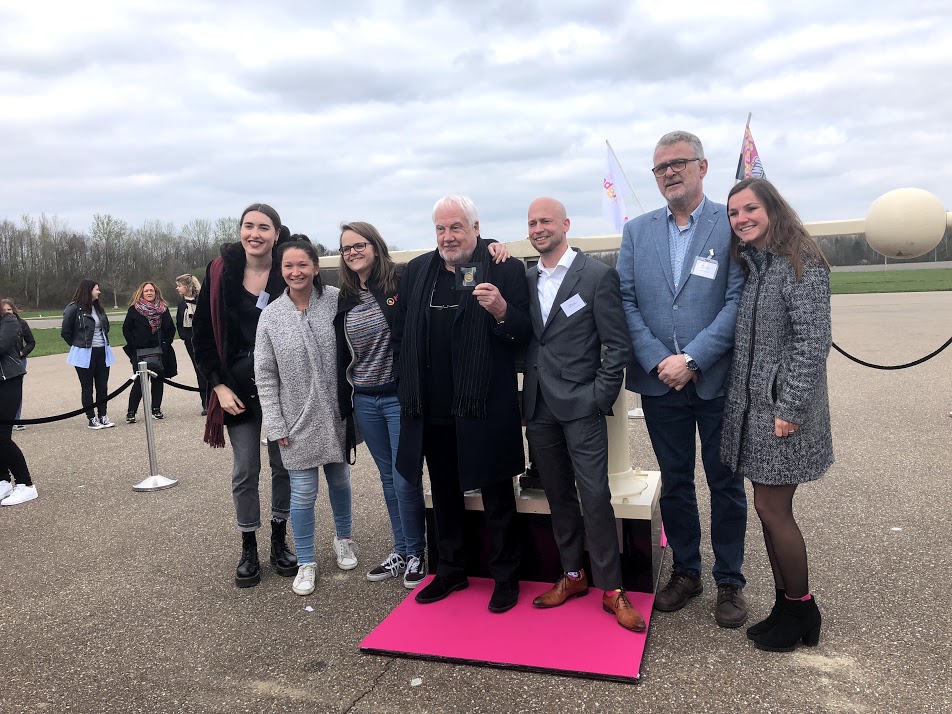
column 777, row 416
column 296, row 377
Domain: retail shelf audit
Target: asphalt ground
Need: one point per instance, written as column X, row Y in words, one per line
column 116, row 601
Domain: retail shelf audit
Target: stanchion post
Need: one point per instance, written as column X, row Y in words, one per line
column 154, row 482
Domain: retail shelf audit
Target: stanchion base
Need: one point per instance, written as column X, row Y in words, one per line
column 155, row 483
column 636, row 414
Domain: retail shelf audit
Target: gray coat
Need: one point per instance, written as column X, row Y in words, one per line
column 296, row 376
column 781, row 344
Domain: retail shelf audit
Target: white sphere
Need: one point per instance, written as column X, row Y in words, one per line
column 905, row 223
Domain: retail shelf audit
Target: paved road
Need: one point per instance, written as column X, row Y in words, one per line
column 114, row 601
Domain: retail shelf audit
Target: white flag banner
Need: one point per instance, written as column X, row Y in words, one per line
column 614, row 194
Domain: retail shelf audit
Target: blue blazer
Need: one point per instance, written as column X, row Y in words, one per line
column 701, row 311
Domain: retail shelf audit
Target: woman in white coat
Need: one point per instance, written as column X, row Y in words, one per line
column 296, row 377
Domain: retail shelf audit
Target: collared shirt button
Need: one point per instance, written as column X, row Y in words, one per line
column 675, row 307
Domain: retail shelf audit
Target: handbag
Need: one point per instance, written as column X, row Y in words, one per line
column 152, row 357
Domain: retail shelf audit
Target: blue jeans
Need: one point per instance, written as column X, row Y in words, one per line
column 303, row 498
column 671, row 420
column 378, row 417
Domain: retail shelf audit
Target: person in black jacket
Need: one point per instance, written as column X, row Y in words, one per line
column 456, row 351
column 27, row 343
column 239, row 284
column 12, row 463
column 148, row 326
column 86, row 331
column 188, row 287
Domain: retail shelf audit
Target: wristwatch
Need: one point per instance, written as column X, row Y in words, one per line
column 692, row 365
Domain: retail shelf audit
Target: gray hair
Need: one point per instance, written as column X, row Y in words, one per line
column 463, row 203
column 675, row 137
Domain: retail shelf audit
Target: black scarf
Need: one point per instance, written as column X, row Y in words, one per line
column 472, row 361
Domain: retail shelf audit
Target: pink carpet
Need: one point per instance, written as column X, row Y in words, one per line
column 577, row 639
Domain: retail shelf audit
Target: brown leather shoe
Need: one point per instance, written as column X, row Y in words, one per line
column 731, row 609
column 675, row 595
column 564, row 589
column 617, row 602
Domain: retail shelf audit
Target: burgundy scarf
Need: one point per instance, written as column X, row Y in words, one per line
column 152, row 311
column 215, row 421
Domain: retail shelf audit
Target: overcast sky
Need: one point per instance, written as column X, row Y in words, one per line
column 183, row 109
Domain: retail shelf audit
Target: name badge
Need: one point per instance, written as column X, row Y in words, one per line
column 573, row 305
column 263, row 298
column 705, row 267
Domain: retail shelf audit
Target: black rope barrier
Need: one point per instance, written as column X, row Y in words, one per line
column 857, row 360
column 183, row 387
column 74, row 413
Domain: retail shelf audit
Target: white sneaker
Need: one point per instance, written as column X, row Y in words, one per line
column 304, row 580
column 416, row 571
column 19, row 427
column 20, row 494
column 6, row 488
column 95, row 424
column 106, row 424
column 392, row 567
column 346, row 551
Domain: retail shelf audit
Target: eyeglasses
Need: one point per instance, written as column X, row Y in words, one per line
column 356, row 247
column 677, row 166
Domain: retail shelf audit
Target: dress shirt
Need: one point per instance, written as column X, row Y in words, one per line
column 551, row 280
column 679, row 239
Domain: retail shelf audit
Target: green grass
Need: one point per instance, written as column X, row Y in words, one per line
column 49, row 342
column 892, row 281
column 58, row 314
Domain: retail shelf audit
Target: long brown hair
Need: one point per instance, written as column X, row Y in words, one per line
column 13, row 305
column 83, row 297
column 786, row 234
column 137, row 295
column 383, row 275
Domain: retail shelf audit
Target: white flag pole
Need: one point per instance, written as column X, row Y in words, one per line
column 624, row 176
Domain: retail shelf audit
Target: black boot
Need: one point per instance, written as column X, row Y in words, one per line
column 799, row 620
column 248, row 573
column 767, row 625
column 282, row 558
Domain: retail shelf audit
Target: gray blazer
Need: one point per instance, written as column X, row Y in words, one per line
column 564, row 357
column 701, row 311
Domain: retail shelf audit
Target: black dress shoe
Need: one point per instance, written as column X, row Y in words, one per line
column 440, row 587
column 675, row 595
column 248, row 573
column 505, row 596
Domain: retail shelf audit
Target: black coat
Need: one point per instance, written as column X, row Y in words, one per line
column 79, row 326
column 490, row 449
column 139, row 336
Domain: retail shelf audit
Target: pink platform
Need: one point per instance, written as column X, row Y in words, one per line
column 578, row 639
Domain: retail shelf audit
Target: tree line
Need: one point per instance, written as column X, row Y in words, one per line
column 42, row 259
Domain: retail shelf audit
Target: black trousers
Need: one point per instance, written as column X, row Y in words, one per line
column 202, row 382
column 97, row 373
column 157, row 389
column 499, row 502
column 12, row 461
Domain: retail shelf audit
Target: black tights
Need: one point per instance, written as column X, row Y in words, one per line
column 785, row 547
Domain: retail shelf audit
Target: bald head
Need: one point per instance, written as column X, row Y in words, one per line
column 548, row 225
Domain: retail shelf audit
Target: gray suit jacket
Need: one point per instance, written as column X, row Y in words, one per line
column 564, row 357
column 701, row 311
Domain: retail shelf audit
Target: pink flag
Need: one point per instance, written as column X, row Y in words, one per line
column 748, row 165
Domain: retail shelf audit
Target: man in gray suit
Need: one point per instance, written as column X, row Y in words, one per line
column 680, row 291
column 575, row 310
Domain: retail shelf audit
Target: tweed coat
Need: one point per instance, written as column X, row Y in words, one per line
column 296, row 376
column 781, row 343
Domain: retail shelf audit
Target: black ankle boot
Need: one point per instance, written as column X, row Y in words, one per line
column 799, row 620
column 282, row 558
column 767, row 625
column 248, row 573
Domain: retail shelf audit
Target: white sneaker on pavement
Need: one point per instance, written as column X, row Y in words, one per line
column 392, row 567
column 346, row 551
column 20, row 494
column 94, row 424
column 6, row 488
column 106, row 424
column 304, row 580
column 416, row 571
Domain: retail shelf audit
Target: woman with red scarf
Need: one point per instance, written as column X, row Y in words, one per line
column 149, row 331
